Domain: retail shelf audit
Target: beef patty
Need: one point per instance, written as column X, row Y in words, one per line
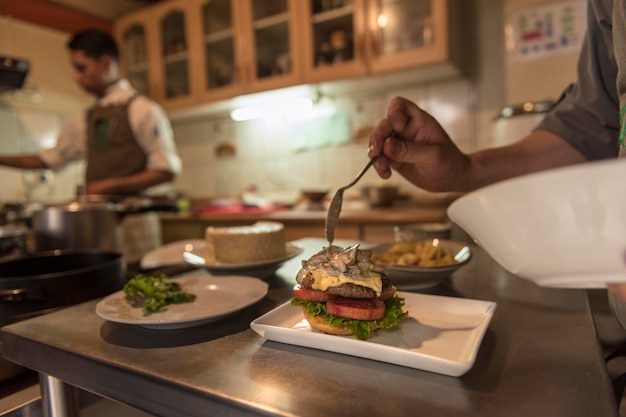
column 350, row 290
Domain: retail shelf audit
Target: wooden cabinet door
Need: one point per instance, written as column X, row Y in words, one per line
column 333, row 39
column 176, row 50
column 271, row 33
column 221, row 67
column 406, row 33
column 133, row 34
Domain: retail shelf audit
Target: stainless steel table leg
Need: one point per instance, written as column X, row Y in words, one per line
column 58, row 399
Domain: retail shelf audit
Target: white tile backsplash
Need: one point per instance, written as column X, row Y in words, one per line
column 25, row 131
column 10, row 131
column 38, row 129
column 266, row 156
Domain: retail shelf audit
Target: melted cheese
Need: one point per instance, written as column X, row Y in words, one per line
column 369, row 279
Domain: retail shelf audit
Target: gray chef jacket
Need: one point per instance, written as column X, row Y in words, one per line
column 587, row 115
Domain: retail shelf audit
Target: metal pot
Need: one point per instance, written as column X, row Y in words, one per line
column 85, row 224
column 380, row 196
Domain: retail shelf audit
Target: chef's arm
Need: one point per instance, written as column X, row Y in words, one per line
column 23, row 161
column 538, row 151
column 130, row 185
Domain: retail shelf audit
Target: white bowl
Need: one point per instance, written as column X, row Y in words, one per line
column 412, row 277
column 564, row 227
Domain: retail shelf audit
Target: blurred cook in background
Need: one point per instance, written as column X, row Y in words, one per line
column 586, row 124
column 125, row 138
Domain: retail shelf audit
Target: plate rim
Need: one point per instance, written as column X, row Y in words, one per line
column 144, row 264
column 292, row 248
column 182, row 323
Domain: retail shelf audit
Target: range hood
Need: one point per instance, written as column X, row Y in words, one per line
column 13, row 72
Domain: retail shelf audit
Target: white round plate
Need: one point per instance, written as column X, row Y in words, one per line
column 170, row 254
column 216, row 297
column 418, row 277
column 261, row 269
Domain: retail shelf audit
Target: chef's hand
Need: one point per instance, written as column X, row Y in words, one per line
column 106, row 186
column 132, row 184
column 421, row 151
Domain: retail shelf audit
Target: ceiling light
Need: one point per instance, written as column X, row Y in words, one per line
column 282, row 108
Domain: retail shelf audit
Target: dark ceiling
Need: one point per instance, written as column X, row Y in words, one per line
column 107, row 9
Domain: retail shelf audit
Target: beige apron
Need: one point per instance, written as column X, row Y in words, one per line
column 112, row 151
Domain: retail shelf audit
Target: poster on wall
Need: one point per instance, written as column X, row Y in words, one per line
column 543, row 31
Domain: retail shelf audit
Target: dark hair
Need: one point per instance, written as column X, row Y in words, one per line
column 94, row 43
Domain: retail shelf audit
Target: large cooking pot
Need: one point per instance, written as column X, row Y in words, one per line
column 58, row 278
column 85, row 224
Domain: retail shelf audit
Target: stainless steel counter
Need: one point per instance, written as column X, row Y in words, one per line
column 540, row 357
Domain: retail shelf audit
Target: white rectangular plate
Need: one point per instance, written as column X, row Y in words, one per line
column 441, row 334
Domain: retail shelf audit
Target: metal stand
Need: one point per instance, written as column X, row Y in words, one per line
column 58, row 399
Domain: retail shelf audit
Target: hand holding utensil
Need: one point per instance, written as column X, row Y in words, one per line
column 335, row 205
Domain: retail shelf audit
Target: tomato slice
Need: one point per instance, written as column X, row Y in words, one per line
column 356, row 308
column 305, row 294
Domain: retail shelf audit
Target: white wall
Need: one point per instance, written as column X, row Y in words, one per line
column 542, row 78
column 32, row 117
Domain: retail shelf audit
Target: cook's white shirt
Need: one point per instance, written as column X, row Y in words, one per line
column 149, row 124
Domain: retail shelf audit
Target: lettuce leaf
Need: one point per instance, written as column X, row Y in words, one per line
column 361, row 329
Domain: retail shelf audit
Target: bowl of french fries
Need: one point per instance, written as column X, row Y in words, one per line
column 421, row 263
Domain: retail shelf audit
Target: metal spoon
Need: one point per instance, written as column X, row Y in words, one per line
column 335, row 205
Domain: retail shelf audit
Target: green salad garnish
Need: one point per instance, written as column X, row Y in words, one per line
column 361, row 329
column 153, row 294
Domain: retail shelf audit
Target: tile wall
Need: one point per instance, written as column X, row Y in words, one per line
column 269, row 154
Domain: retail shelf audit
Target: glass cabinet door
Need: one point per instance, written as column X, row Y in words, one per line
column 333, row 32
column 334, row 36
column 407, row 33
column 174, row 43
column 404, row 25
column 219, row 44
column 273, row 38
column 136, row 57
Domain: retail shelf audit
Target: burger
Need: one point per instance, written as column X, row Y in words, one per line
column 342, row 292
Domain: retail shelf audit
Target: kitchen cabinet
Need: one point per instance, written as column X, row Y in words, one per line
column 157, row 53
column 176, row 57
column 132, row 33
column 344, row 38
column 247, row 46
column 185, row 53
column 272, row 33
